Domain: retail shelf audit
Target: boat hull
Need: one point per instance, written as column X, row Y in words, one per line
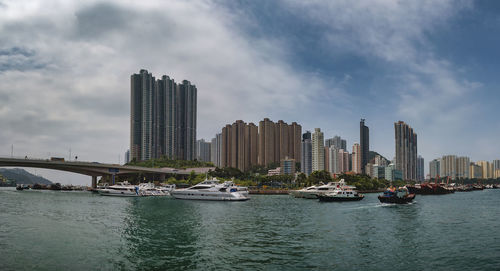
column 192, row 195
column 397, row 200
column 117, row 194
column 430, row 189
column 339, row 199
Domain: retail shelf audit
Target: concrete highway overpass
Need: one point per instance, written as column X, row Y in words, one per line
column 96, row 169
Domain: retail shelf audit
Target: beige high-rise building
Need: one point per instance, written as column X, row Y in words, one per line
column 343, row 161
column 463, row 167
column 475, row 171
column 496, row 168
column 448, row 166
column 356, row 159
column 246, row 145
column 327, row 159
column 487, row 169
column 266, row 142
column 239, row 145
column 295, row 148
column 278, row 141
column 318, row 152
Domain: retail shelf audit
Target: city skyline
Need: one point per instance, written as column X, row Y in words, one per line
column 64, row 71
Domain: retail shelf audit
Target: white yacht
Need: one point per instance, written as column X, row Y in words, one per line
column 342, row 193
column 300, row 193
column 149, row 189
column 212, row 190
column 121, row 190
column 313, row 193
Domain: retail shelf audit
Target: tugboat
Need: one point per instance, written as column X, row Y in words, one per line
column 398, row 196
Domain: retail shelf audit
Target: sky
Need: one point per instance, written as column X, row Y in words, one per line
column 65, row 71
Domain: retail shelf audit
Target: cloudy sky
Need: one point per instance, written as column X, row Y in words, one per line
column 65, row 70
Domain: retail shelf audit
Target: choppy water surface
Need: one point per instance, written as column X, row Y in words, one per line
column 49, row 230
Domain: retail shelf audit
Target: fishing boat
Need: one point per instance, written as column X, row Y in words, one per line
column 432, row 188
column 398, row 196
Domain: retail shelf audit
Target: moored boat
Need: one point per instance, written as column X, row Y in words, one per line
column 120, row 190
column 398, row 196
column 314, row 191
column 346, row 193
column 300, row 193
column 212, row 190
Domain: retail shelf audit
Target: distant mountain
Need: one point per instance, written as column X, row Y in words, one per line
column 21, row 176
column 372, row 154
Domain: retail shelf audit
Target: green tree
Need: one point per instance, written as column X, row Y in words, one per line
column 319, row 176
column 301, row 179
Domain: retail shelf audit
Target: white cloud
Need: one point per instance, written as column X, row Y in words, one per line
column 432, row 94
column 80, row 97
column 72, row 87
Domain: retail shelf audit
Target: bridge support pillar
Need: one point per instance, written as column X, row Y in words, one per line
column 94, row 182
column 162, row 177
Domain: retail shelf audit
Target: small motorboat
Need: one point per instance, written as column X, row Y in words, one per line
column 398, row 196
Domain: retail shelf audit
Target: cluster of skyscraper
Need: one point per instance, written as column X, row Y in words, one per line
column 241, row 145
column 460, row 167
column 331, row 155
column 245, row 145
column 163, row 123
column 163, row 118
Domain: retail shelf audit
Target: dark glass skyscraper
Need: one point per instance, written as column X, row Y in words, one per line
column 306, row 159
column 364, row 144
column 163, row 118
column 406, row 150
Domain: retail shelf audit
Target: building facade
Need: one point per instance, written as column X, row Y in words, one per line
column 336, row 141
column 496, row 169
column 406, row 150
column 343, row 161
column 364, row 143
column 448, row 166
column 203, row 150
column 216, row 150
column 356, row 159
column 277, row 141
column 392, row 173
column 163, row 118
column 127, row 156
column 239, row 145
column 420, row 169
column 463, row 167
column 379, row 171
column 434, row 168
column 333, row 160
column 287, row 166
column 486, row 168
column 318, row 153
column 306, row 159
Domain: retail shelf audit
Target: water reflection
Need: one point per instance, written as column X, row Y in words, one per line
column 161, row 233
